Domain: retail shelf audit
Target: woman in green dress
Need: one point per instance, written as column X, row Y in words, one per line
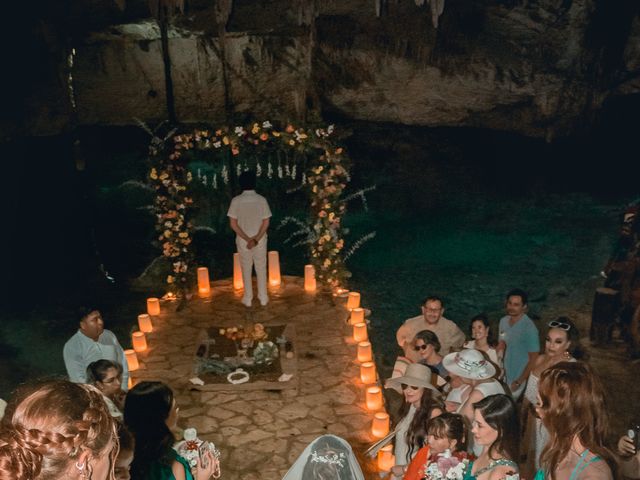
column 496, row 428
column 150, row 413
column 571, row 404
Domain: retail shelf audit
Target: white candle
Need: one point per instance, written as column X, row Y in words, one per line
column 204, row 288
column 139, row 341
column 132, row 360
column 353, row 301
column 274, row 269
column 309, row 278
column 238, row 283
column 364, row 352
column 380, row 424
column 153, row 306
column 360, row 332
column 373, row 398
column 368, row 373
column 144, row 322
column 357, row 316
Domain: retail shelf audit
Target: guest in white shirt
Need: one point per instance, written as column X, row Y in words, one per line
column 249, row 215
column 90, row 343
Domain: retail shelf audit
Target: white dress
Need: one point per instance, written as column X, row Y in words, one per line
column 401, row 449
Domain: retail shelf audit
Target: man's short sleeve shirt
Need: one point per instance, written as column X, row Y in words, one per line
column 250, row 209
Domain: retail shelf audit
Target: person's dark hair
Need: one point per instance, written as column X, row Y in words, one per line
column 432, row 298
column 125, row 438
column 96, row 371
column 573, row 335
column 518, row 292
column 247, row 180
column 429, row 338
column 452, row 426
column 484, row 318
column 500, row 413
column 417, row 432
column 146, row 409
column 48, row 426
column 84, row 310
column 328, row 460
column 573, row 405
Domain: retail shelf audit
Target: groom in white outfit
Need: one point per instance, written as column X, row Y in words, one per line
column 249, row 215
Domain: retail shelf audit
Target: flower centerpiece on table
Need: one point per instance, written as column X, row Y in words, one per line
column 447, row 466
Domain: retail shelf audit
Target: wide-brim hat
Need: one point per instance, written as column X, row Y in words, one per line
column 416, row 375
column 469, row 363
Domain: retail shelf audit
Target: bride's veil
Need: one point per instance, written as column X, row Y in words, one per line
column 326, row 458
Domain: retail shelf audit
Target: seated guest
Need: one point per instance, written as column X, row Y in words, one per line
column 90, row 343
column 327, row 457
column 476, row 371
column 449, row 334
column 422, row 402
column 496, row 429
column 482, row 339
column 57, row 430
column 630, row 457
column 427, row 345
column 150, row 414
column 122, row 465
column 105, row 376
column 571, row 404
column 455, row 391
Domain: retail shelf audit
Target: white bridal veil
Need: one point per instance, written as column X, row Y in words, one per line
column 326, row 458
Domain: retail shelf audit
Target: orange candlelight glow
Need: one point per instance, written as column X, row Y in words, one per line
column 380, row 425
column 238, row 283
column 132, row 360
column 309, row 278
column 368, row 373
column 274, row 269
column 364, row 351
column 373, row 398
column 129, row 383
column 386, row 460
column 144, row 322
column 353, row 301
column 139, row 341
column 204, row 287
column 360, row 332
column 153, row 306
column 357, row 316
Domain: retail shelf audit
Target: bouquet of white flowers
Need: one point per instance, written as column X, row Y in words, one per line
column 447, row 466
column 192, row 448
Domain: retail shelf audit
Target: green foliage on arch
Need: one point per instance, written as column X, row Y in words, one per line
column 307, row 159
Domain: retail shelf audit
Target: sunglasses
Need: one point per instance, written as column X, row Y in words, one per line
column 404, row 386
column 562, row 325
column 417, row 348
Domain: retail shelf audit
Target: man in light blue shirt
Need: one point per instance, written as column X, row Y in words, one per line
column 519, row 339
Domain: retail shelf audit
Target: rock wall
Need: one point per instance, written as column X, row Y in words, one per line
column 538, row 67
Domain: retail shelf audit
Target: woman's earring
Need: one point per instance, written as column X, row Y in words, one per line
column 81, row 467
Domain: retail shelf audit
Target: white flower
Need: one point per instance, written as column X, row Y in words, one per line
column 239, row 131
column 266, row 124
column 217, row 144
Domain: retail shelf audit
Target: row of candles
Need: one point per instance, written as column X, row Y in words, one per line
column 368, row 376
column 275, row 279
column 145, row 324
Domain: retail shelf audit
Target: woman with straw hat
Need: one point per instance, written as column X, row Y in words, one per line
column 422, row 403
column 476, row 371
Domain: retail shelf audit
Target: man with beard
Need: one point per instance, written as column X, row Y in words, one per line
column 519, row 340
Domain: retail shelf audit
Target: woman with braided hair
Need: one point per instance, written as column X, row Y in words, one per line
column 57, row 430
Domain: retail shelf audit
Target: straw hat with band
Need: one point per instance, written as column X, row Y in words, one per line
column 469, row 363
column 416, row 375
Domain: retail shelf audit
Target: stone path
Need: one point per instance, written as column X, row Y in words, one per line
column 261, row 432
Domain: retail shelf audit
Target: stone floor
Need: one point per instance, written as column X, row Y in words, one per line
column 261, row 432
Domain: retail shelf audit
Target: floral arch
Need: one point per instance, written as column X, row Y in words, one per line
column 306, row 159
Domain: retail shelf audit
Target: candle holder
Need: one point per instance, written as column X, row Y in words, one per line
column 132, row 360
column 373, row 398
column 368, row 373
column 274, row 269
column 357, row 316
column 153, row 306
column 386, row 459
column 204, row 286
column 364, row 352
column 353, row 300
column 309, row 278
column 380, row 425
column 144, row 322
column 360, row 332
column 139, row 342
column 238, row 282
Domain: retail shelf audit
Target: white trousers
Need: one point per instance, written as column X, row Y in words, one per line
column 249, row 258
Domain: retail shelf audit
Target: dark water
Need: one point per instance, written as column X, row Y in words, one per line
column 463, row 213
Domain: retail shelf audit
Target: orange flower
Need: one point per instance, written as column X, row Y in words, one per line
column 290, row 128
column 264, row 137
